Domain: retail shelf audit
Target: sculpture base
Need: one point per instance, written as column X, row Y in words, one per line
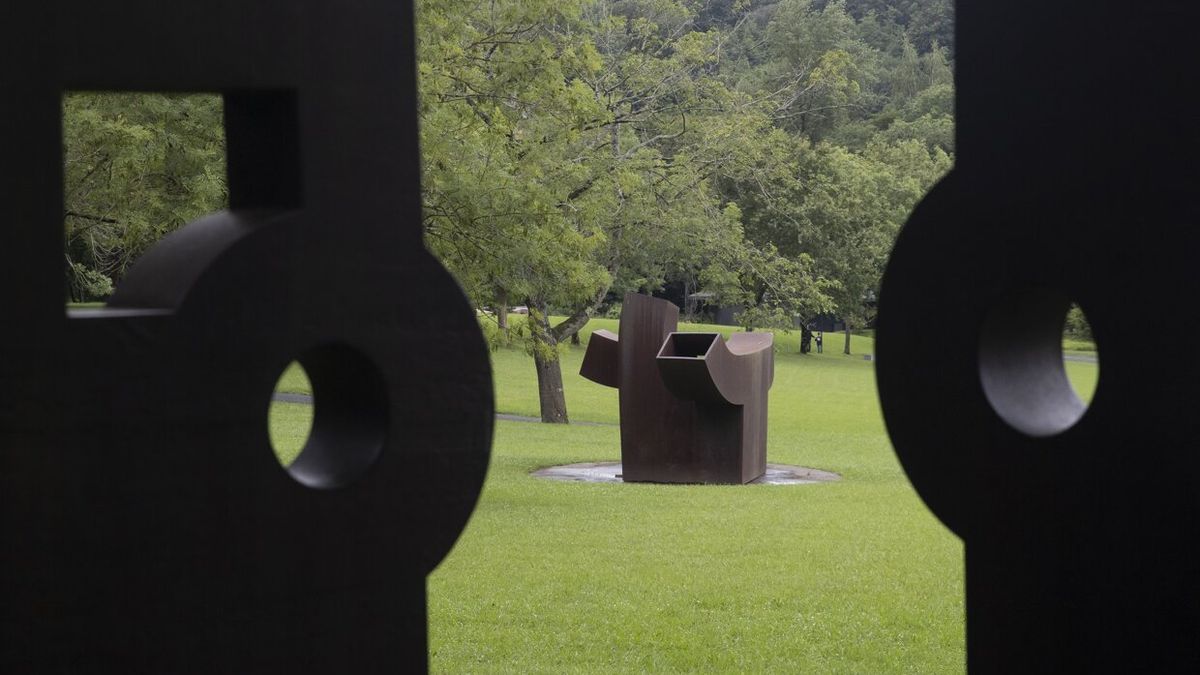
column 610, row 472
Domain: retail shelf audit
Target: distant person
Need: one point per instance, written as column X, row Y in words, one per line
column 818, row 338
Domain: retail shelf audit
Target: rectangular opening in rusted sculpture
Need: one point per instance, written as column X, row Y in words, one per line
column 687, row 345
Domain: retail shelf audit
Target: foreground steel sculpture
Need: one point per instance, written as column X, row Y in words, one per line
column 146, row 526
column 1080, row 526
column 693, row 406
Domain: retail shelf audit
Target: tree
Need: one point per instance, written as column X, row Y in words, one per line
column 821, row 73
column 764, row 153
column 576, row 150
column 503, row 134
column 137, row 166
column 572, row 152
column 924, row 21
column 874, row 133
column 842, row 210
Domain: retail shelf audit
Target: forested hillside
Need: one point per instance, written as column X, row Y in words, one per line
column 765, row 153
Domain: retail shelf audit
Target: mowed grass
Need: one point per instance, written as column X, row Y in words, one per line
column 1084, row 376
column 550, row 577
column 289, row 424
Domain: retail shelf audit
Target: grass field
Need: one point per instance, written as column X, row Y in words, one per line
column 290, row 423
column 854, row 576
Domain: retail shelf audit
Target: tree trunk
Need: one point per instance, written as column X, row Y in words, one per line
column 805, row 340
column 551, row 399
column 847, row 349
column 502, row 312
column 575, row 338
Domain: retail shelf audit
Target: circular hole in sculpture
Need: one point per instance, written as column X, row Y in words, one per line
column 1029, row 380
column 1080, row 358
column 347, row 401
column 290, row 418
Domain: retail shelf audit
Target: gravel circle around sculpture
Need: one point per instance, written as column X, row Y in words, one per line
column 610, row 472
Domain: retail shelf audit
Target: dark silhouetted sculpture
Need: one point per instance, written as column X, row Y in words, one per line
column 693, row 406
column 1080, row 525
column 147, row 526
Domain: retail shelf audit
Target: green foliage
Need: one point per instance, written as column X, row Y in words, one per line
column 925, row 22
column 1078, row 347
column 765, row 155
column 492, row 335
column 772, row 289
column 542, row 344
column 570, row 150
column 85, row 284
column 137, row 166
column 1077, row 326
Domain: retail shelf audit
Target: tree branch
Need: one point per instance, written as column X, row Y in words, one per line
column 84, row 216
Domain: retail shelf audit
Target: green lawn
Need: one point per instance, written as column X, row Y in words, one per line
column 1079, row 346
column 1083, row 377
column 289, row 426
column 290, row 423
column 550, row 577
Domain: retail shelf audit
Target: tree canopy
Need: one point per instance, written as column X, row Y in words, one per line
column 136, row 166
column 764, row 153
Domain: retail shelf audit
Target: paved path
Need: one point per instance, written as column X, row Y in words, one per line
column 610, row 472
column 308, row 399
column 1081, row 358
column 522, row 418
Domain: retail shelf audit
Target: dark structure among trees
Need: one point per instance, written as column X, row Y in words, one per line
column 693, row 406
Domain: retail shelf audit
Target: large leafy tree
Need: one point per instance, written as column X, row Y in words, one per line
column 926, row 22
column 868, row 116
column 572, row 151
column 505, row 134
column 137, row 166
column 843, row 209
column 765, row 152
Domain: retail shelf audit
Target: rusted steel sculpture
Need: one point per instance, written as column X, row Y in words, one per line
column 693, row 406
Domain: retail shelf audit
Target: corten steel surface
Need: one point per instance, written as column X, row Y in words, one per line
column 693, row 408
column 145, row 523
column 1059, row 195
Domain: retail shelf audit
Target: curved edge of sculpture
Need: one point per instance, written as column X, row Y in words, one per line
column 162, row 278
column 703, row 367
column 601, row 361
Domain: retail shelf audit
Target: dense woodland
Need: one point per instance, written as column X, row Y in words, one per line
column 763, row 153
